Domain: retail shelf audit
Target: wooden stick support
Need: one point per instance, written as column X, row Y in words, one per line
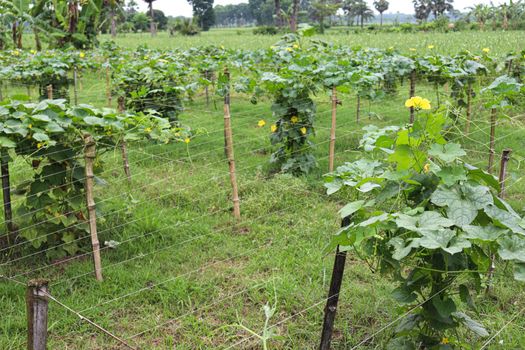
column 37, row 307
column 229, row 149
column 207, row 76
column 90, row 154
column 6, row 192
column 358, row 109
column 335, row 102
column 49, row 92
column 75, row 85
column 505, row 157
column 492, row 147
column 412, row 93
column 469, row 108
column 108, row 86
column 333, row 295
column 123, row 145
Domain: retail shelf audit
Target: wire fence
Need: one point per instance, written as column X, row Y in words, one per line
column 178, row 202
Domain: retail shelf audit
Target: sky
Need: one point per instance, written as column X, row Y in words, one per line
column 182, row 8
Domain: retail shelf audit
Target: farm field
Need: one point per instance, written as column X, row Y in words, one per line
column 181, row 273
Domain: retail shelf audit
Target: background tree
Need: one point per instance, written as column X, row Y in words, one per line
column 439, row 7
column 364, row 12
column 422, row 9
column 113, row 7
column 481, row 13
column 381, row 6
column 294, row 15
column 153, row 29
column 140, row 22
column 203, row 13
column 322, row 9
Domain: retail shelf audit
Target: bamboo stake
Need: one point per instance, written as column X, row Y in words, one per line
column 335, row 102
column 412, row 93
column 37, row 306
column 75, row 85
column 50, row 92
column 229, row 149
column 492, row 149
column 123, row 146
column 206, row 75
column 108, row 86
column 90, row 154
column 469, row 108
column 6, row 191
column 358, row 111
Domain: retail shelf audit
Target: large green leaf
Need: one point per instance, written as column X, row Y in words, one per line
column 448, row 152
column 511, row 248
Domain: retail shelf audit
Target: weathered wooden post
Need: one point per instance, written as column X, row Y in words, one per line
column 469, row 108
column 412, row 93
column 90, row 154
column 123, row 146
column 335, row 102
column 75, row 85
column 50, row 92
column 229, row 148
column 37, row 306
column 207, row 76
column 492, row 147
column 358, row 108
column 333, row 295
column 6, row 191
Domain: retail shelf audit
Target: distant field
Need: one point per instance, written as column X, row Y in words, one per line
column 448, row 43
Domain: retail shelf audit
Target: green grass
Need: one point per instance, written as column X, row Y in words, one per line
column 188, row 275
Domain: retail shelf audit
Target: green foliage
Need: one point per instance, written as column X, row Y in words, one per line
column 430, row 221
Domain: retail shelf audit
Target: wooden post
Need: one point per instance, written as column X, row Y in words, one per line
column 335, row 102
column 207, row 76
column 1, row 91
column 75, row 85
column 108, row 85
column 333, row 295
column 229, row 148
column 412, row 93
column 37, row 306
column 505, row 157
column 358, row 109
column 492, row 147
column 6, row 191
column 469, row 108
column 90, row 154
column 123, row 146
column 50, row 92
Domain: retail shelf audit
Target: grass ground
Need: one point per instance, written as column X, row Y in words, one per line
column 185, row 276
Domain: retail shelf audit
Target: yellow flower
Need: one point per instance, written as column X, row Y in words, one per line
column 261, row 123
column 30, row 126
column 295, row 46
column 39, row 145
column 486, row 50
column 303, row 130
column 391, row 48
column 222, row 47
column 426, row 168
column 273, row 128
column 294, row 119
column 430, row 47
column 445, row 340
column 187, row 140
column 147, row 130
column 418, row 103
column 289, row 49
column 81, row 54
column 32, row 52
column 16, row 53
column 412, row 49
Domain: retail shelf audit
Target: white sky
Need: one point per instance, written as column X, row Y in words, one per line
column 182, row 8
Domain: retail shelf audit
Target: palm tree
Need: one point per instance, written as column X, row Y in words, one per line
column 364, row 12
column 481, row 13
column 153, row 28
column 113, row 6
column 381, row 6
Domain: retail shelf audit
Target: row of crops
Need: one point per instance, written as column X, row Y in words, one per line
column 418, row 204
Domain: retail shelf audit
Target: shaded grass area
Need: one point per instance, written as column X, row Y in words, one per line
column 185, row 275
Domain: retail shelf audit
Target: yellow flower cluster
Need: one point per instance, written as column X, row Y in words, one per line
column 430, row 47
column 486, row 50
column 294, row 119
column 261, row 123
column 303, row 130
column 418, row 103
column 273, row 128
column 187, row 140
column 81, row 54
